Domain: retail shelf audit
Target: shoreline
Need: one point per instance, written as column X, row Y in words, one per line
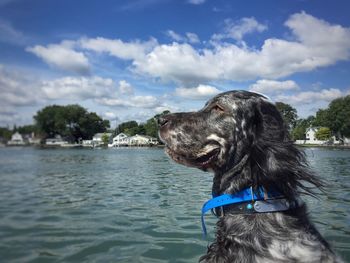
column 323, row 146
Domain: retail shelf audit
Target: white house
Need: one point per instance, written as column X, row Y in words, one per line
column 120, row 140
column 137, row 140
column 97, row 139
column 142, row 140
column 57, row 141
column 310, row 136
column 16, row 139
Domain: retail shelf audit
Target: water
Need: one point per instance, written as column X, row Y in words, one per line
column 129, row 205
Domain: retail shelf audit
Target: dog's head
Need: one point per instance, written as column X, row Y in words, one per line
column 217, row 136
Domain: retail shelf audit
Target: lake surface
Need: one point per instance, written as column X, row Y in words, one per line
column 130, row 205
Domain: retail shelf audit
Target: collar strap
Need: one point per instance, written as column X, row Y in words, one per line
column 256, row 201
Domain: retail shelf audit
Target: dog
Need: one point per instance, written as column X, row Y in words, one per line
column 241, row 137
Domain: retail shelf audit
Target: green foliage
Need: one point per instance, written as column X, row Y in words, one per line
column 105, row 139
column 5, row 133
column 71, row 121
column 149, row 128
column 27, row 129
column 298, row 133
column 128, row 128
column 336, row 116
column 289, row 114
column 323, row 134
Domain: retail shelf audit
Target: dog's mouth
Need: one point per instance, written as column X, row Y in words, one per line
column 203, row 160
column 207, row 158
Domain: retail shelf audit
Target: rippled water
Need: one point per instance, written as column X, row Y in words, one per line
column 129, row 205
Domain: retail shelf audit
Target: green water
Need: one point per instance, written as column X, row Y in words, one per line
column 130, row 205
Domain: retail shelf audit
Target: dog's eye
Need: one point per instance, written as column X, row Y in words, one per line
column 218, row 108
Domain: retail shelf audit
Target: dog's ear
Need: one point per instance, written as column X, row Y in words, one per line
column 268, row 122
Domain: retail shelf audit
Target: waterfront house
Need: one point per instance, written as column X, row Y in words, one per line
column 152, row 140
column 120, row 140
column 97, row 138
column 56, row 141
column 310, row 136
column 142, row 140
column 32, row 139
column 16, row 139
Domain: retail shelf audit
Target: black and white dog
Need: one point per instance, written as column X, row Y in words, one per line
column 241, row 137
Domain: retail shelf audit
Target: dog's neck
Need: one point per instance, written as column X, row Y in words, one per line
column 222, row 182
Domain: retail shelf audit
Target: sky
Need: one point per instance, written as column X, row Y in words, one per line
column 129, row 60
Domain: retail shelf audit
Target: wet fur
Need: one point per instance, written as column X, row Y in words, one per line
column 255, row 150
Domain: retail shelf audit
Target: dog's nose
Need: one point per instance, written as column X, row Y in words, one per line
column 162, row 121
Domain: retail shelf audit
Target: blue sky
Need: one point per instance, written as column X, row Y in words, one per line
column 128, row 60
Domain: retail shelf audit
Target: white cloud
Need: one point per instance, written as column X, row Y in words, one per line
column 125, row 87
column 238, row 29
column 273, row 86
column 133, row 101
column 62, row 56
column 112, row 116
column 196, row 2
column 81, row 88
column 178, row 62
column 277, row 57
column 309, row 97
column 199, row 92
column 17, row 89
column 115, row 47
column 192, row 37
column 175, row 36
column 189, row 37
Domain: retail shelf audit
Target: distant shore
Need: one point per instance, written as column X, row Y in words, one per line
column 324, row 146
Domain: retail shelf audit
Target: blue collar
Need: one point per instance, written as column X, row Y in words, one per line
column 258, row 201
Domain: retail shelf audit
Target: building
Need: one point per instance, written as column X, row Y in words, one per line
column 142, row 140
column 120, row 140
column 16, row 139
column 310, row 136
column 56, row 141
column 97, row 139
column 137, row 140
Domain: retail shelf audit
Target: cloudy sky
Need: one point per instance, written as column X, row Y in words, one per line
column 128, row 60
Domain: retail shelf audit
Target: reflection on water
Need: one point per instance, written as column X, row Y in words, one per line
column 129, row 205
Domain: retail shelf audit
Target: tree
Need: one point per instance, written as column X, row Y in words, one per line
column 323, row 134
column 72, row 122
column 336, row 116
column 105, row 139
column 289, row 114
column 5, row 133
column 298, row 133
column 128, row 127
column 27, row 129
column 151, row 125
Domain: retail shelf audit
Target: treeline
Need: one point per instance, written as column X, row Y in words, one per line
column 72, row 122
column 334, row 120
column 75, row 123
column 149, row 128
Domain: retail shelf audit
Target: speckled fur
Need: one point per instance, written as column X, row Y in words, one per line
column 255, row 150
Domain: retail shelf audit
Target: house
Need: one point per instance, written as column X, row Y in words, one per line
column 32, row 139
column 310, row 136
column 16, row 139
column 120, row 140
column 152, row 140
column 56, row 141
column 137, row 140
column 142, row 140
column 97, row 138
